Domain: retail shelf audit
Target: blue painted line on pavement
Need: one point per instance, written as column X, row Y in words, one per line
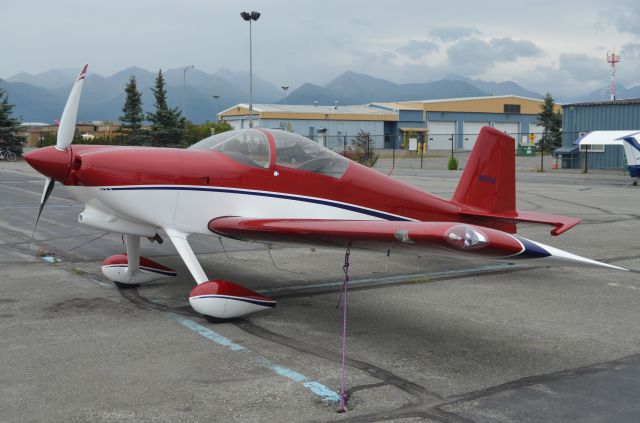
column 315, row 387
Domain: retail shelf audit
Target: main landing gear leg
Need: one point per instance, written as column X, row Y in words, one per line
column 131, row 269
column 216, row 300
column 132, row 243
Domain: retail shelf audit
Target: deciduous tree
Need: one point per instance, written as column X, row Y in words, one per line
column 365, row 147
column 195, row 133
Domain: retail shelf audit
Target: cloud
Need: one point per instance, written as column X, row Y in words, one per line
column 452, row 33
column 474, row 56
column 471, row 53
column 624, row 17
column 417, row 49
column 631, row 51
column 383, row 58
column 508, row 48
column 583, row 68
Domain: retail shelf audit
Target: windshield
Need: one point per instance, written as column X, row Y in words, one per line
column 246, row 146
column 301, row 153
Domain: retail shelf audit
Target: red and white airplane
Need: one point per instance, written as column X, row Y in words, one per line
column 273, row 186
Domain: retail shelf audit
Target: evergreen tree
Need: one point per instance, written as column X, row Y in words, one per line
column 133, row 116
column 167, row 124
column 551, row 121
column 9, row 126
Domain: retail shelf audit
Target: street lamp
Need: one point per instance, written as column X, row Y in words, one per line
column 285, row 88
column 253, row 16
column 215, row 98
column 184, row 88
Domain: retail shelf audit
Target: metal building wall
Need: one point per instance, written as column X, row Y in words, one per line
column 602, row 116
column 415, row 119
column 346, row 127
column 309, row 128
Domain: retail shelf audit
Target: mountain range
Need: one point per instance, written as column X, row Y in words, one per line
column 41, row 97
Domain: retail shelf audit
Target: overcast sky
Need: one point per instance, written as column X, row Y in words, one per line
column 557, row 46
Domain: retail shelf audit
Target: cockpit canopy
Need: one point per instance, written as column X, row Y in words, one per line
column 251, row 147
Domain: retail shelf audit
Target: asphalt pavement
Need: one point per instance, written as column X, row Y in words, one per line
column 429, row 341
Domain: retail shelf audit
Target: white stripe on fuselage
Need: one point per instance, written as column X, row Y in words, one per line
column 190, row 208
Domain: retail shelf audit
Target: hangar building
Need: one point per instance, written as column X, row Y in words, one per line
column 460, row 119
column 580, row 118
column 330, row 126
column 436, row 122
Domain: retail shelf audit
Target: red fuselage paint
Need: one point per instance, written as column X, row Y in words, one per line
column 107, row 166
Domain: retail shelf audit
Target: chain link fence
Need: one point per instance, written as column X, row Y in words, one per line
column 413, row 149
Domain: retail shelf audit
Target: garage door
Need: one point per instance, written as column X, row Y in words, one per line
column 471, row 130
column 235, row 124
column 440, row 134
column 510, row 128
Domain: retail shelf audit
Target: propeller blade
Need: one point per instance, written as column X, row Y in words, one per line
column 48, row 188
column 68, row 120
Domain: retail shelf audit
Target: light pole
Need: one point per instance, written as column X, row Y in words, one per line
column 285, row 88
column 253, row 16
column 184, row 88
column 215, row 101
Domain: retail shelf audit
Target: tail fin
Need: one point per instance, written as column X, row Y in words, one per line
column 488, row 183
column 486, row 193
column 632, row 152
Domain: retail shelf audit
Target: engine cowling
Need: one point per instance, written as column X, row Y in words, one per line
column 226, row 300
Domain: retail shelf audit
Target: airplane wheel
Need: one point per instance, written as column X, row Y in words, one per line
column 635, row 182
column 126, row 285
column 212, row 319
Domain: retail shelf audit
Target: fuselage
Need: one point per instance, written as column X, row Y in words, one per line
column 185, row 189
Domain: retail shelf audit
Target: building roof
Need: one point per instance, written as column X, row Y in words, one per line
column 34, row 124
column 300, row 111
column 606, row 102
column 485, row 104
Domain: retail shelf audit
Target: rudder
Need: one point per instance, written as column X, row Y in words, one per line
column 488, row 182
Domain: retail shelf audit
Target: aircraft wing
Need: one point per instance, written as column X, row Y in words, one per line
column 429, row 238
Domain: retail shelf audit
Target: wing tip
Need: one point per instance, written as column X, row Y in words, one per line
column 83, row 72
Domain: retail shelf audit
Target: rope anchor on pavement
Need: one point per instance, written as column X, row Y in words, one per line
column 344, row 398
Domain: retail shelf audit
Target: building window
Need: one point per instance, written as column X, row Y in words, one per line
column 593, row 148
column 512, row 108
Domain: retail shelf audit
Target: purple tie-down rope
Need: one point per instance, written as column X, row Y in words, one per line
column 343, row 293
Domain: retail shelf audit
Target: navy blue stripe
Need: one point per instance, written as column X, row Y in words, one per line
column 356, row 209
column 246, row 300
column 531, row 250
column 633, row 142
column 163, row 272
column 148, row 269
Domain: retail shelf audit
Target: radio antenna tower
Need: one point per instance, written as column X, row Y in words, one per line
column 612, row 59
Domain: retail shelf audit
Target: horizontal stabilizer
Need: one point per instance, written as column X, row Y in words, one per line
column 560, row 224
